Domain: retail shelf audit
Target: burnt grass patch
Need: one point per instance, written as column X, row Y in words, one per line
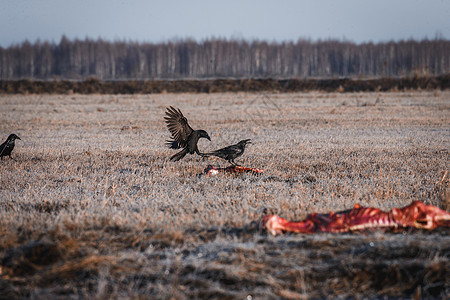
column 226, row 262
column 96, row 86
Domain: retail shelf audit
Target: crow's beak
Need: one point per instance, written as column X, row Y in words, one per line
column 209, row 139
column 19, row 138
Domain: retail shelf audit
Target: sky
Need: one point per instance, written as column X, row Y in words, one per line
column 358, row 21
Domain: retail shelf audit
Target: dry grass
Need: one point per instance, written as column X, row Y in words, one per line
column 93, row 208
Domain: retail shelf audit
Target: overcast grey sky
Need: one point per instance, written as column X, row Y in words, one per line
column 157, row 21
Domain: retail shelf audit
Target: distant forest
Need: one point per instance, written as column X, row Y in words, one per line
column 222, row 58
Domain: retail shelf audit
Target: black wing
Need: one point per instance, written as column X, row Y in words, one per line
column 178, row 126
column 226, row 152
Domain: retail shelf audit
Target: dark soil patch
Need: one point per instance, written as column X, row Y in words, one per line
column 95, row 86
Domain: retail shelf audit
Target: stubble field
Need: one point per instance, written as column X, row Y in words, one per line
column 92, row 208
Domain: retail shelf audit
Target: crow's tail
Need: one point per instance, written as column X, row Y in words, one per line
column 179, row 155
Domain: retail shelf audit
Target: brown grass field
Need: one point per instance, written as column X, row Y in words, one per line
column 92, row 208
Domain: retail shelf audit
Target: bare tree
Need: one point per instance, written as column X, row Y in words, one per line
column 79, row 59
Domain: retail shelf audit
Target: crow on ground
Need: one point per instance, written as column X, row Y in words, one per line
column 231, row 152
column 182, row 134
column 7, row 147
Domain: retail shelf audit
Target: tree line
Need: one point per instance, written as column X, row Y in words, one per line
column 222, row 58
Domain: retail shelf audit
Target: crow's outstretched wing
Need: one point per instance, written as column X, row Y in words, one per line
column 178, row 126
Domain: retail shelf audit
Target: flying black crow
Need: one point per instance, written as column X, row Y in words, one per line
column 7, row 147
column 229, row 153
column 182, row 134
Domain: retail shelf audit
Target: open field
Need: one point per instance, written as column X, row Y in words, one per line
column 92, row 208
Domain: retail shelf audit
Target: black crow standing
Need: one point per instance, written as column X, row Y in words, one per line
column 231, row 152
column 7, row 147
column 184, row 136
